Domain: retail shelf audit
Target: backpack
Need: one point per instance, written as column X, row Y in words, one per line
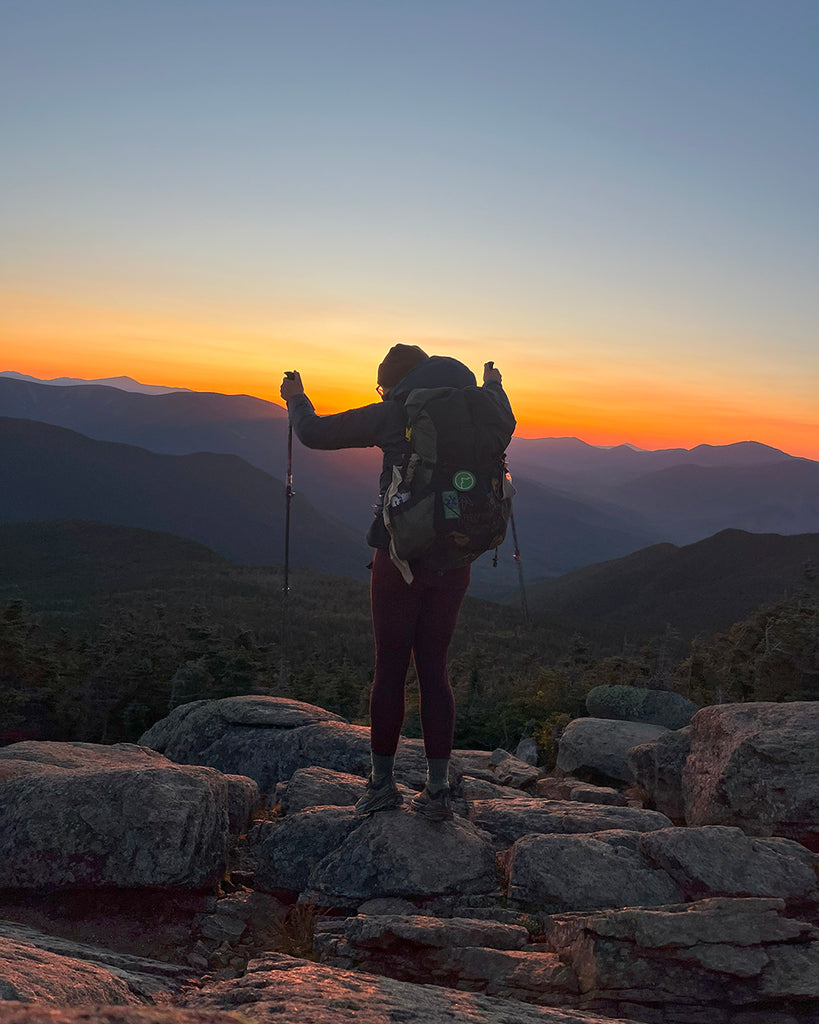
column 451, row 499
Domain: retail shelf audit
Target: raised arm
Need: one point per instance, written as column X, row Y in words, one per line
column 492, row 382
column 355, row 428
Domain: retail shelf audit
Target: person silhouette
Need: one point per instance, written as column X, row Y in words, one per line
column 410, row 620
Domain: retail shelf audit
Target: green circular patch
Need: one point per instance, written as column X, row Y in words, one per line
column 463, row 480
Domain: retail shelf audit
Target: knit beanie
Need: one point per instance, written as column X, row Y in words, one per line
column 398, row 362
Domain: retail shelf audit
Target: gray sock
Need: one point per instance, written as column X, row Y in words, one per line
column 437, row 773
column 382, row 768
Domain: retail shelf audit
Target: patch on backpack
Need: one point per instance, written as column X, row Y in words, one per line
column 452, row 504
column 463, row 480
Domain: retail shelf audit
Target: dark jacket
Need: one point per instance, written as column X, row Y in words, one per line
column 382, row 424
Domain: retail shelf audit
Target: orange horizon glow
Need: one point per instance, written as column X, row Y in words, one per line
column 618, row 210
column 580, row 394
column 604, row 427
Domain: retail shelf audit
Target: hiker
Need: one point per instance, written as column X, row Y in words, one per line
column 410, row 619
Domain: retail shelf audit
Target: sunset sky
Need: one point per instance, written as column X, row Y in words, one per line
column 616, row 201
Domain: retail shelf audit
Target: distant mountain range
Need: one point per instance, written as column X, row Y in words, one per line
column 181, row 423
column 49, row 472
column 699, row 588
column 577, row 504
column 558, row 530
column 123, row 383
column 572, row 464
column 693, row 501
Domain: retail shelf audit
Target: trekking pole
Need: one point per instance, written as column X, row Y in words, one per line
column 288, row 497
column 523, row 602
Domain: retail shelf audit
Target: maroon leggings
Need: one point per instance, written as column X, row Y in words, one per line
column 417, row 620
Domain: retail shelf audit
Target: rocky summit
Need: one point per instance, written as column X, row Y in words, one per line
column 216, row 872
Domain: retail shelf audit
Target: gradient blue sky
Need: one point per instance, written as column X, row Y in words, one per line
column 616, row 201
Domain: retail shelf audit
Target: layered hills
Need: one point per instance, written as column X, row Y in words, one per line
column 218, row 500
column 186, row 422
column 123, row 383
column 697, row 590
column 700, row 588
column 587, row 469
column 63, row 563
column 577, row 504
column 693, row 500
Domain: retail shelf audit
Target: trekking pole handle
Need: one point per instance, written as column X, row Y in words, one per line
column 491, row 372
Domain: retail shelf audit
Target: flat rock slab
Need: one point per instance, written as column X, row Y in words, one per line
column 39, row 1013
column 589, row 794
column 203, row 720
column 738, row 922
column 84, row 814
column 711, row 954
column 279, row 988
column 339, row 747
column 473, row 762
column 463, row 953
column 497, row 766
column 29, row 974
column 398, row 853
column 346, row 749
column 270, row 738
column 639, row 704
column 555, row 787
column 599, row 746
column 756, row 766
column 143, row 977
column 586, row 872
column 716, row 860
column 236, row 735
column 509, row 820
column 537, row 977
column 382, row 931
column 321, row 787
column 480, row 789
column 386, row 906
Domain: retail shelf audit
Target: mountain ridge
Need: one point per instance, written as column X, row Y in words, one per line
column 66, row 557
column 121, row 383
column 576, row 503
column 218, row 500
column 747, row 450
column 718, row 580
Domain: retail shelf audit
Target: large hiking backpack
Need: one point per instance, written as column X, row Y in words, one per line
column 452, row 498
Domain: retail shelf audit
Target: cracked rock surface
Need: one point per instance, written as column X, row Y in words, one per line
column 545, row 899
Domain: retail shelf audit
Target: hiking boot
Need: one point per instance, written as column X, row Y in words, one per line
column 436, row 806
column 379, row 798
